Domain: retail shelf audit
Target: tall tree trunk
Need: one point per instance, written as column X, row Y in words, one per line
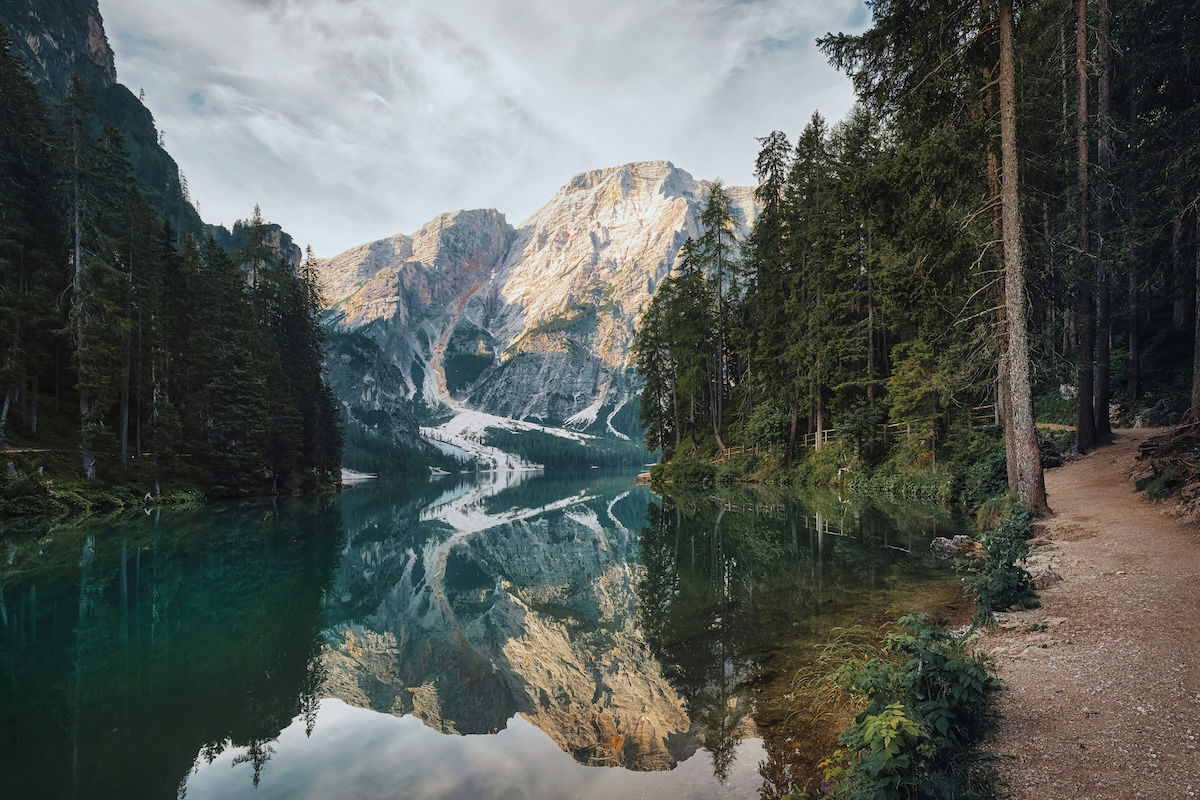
column 123, row 414
column 1085, row 317
column 675, row 410
column 33, row 410
column 85, row 405
column 1031, row 483
column 870, row 339
column 1177, row 283
column 1195, row 411
column 820, row 422
column 1133, row 377
column 1104, row 206
column 793, row 428
column 4, row 416
column 719, row 405
column 1003, row 384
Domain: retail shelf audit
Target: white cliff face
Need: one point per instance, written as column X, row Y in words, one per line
column 533, row 323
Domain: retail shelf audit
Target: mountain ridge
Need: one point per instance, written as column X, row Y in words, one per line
column 532, row 322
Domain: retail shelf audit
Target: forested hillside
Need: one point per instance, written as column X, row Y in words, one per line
column 150, row 359
column 1008, row 216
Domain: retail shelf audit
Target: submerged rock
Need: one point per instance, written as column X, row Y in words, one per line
column 960, row 548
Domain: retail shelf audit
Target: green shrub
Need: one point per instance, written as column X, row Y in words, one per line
column 766, row 426
column 828, row 466
column 685, row 471
column 997, row 582
column 860, row 425
column 984, row 477
column 927, row 705
column 1049, row 406
column 1160, row 485
column 741, row 466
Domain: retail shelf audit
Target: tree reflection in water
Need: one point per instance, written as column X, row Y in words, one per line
column 741, row 590
column 632, row 630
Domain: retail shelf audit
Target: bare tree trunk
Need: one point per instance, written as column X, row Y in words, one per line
column 817, row 443
column 1104, row 203
column 870, row 339
column 1133, row 377
column 719, row 405
column 675, row 408
column 1031, row 483
column 793, row 428
column 1085, row 318
column 124, row 413
column 33, row 410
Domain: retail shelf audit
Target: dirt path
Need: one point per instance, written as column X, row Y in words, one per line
column 1101, row 693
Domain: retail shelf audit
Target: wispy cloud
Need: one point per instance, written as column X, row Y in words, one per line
column 353, row 119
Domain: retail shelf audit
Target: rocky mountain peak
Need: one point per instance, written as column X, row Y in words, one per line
column 532, row 323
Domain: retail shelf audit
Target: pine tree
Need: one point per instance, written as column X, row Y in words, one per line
column 717, row 251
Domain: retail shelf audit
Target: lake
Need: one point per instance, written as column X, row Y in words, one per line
column 508, row 635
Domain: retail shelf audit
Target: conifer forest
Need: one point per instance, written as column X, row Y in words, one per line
column 596, row 399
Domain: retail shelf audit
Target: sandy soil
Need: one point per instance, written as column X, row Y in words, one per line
column 1101, row 693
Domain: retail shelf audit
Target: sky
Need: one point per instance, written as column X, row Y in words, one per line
column 352, row 120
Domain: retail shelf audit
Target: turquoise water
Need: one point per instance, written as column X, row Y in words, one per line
column 503, row 636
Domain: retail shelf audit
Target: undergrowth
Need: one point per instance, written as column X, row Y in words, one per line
column 997, row 581
column 926, row 704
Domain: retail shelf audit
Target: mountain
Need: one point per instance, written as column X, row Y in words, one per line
column 58, row 39
column 532, row 323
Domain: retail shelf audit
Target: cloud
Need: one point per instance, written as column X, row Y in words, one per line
column 349, row 120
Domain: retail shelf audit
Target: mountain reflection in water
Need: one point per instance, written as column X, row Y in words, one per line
column 505, row 635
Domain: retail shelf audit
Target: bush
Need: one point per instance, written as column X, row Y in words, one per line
column 685, row 471
column 1050, row 406
column 859, row 425
column 1159, row 486
column 984, row 478
column 826, row 467
column 997, row 582
column 927, row 706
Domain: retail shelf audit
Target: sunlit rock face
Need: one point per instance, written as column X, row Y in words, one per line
column 464, row 616
column 533, row 323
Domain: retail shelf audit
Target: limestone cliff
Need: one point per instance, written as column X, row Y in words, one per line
column 533, row 323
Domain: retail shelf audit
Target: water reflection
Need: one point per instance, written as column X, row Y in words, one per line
column 131, row 646
column 495, row 637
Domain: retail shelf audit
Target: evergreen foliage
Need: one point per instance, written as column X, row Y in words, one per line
column 916, row 260
column 189, row 365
